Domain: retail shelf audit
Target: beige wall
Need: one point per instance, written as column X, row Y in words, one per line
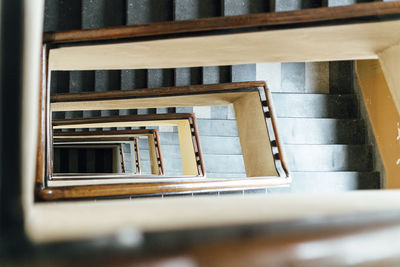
column 381, row 103
column 390, row 63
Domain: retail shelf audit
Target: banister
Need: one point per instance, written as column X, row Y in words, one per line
column 121, row 135
column 288, row 19
column 192, row 95
column 179, row 119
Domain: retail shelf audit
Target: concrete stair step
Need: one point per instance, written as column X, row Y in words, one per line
column 208, row 127
column 62, row 15
column 217, row 74
column 209, row 144
column 192, row 9
column 220, row 145
column 128, row 162
column 168, row 138
column 224, row 163
column 325, row 182
column 132, row 79
column 296, row 105
column 321, row 131
column 106, row 80
column 148, row 11
column 188, row 76
column 168, row 151
column 242, row 7
column 103, row 13
column 328, row 157
column 171, row 167
column 59, row 84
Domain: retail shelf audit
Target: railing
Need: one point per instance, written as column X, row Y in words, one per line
column 187, row 131
column 366, row 12
column 249, row 107
column 255, row 116
column 313, row 239
column 263, row 159
column 62, row 46
column 153, row 139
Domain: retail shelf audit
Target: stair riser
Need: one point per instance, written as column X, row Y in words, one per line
column 315, row 105
column 329, row 158
column 323, row 182
column 321, row 131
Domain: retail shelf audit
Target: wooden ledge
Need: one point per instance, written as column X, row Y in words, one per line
column 113, row 133
column 152, row 92
column 124, row 118
column 340, row 15
column 109, row 190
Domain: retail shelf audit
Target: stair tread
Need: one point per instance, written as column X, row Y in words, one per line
column 329, row 157
column 321, row 131
column 310, row 182
column 315, row 105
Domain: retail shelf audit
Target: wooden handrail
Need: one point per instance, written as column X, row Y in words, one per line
column 91, row 139
column 206, row 185
column 166, row 187
column 177, row 95
column 111, row 133
column 315, row 16
column 124, row 118
column 40, row 178
column 175, row 118
column 43, row 190
column 155, row 92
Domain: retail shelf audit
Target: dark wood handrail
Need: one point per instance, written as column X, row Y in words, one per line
column 151, row 117
column 43, row 189
column 151, row 92
column 108, row 133
column 177, row 91
column 109, row 190
column 92, row 139
column 44, row 192
column 340, row 15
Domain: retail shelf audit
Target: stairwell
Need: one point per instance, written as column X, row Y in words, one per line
column 324, row 134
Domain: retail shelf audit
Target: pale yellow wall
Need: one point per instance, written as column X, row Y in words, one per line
column 380, row 102
column 390, row 62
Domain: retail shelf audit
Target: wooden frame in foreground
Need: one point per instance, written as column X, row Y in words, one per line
column 60, row 227
column 153, row 139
